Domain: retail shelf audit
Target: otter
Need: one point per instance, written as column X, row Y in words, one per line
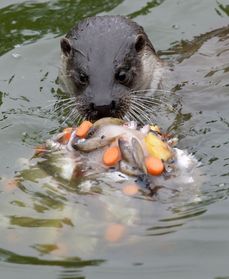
column 104, row 61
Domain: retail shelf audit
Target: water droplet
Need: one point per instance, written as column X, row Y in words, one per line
column 16, row 55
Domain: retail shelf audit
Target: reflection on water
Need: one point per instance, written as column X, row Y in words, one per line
column 46, row 221
column 146, row 9
column 222, row 9
column 29, row 21
column 81, row 217
column 185, row 49
column 7, row 256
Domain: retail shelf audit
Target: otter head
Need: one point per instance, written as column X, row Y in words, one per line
column 105, row 59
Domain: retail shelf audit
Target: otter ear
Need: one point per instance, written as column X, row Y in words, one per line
column 65, row 46
column 140, row 43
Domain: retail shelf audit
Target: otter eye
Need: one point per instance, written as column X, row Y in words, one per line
column 121, row 77
column 83, row 78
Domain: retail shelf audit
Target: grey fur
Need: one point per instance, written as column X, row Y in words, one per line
column 98, row 49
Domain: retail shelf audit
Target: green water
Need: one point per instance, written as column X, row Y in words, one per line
column 54, row 231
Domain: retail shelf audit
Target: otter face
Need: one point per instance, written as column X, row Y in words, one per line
column 102, row 62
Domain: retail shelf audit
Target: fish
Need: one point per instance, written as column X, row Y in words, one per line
column 82, row 157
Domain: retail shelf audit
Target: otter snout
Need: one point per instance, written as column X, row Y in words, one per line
column 97, row 111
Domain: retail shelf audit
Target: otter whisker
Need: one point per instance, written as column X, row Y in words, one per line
column 133, row 116
column 68, row 102
column 76, row 118
column 130, row 116
column 153, row 90
column 159, row 104
column 150, row 101
column 79, row 119
column 150, row 90
column 54, row 102
column 68, row 116
column 146, row 114
column 145, row 108
column 137, row 116
column 57, row 106
column 159, row 100
column 62, row 100
column 141, row 111
column 153, row 94
column 64, row 107
column 126, row 118
column 141, row 96
column 140, row 105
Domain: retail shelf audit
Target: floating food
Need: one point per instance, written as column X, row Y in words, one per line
column 115, row 232
column 154, row 165
column 113, row 145
column 83, row 129
column 111, row 156
column 157, row 148
column 67, row 135
column 130, row 189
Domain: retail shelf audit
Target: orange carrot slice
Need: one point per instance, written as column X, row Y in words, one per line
column 83, row 129
column 67, row 135
column 10, row 184
column 111, row 156
column 130, row 190
column 154, row 165
column 114, row 232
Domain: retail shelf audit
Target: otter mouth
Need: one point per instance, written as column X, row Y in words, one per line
column 97, row 112
column 94, row 112
column 96, row 115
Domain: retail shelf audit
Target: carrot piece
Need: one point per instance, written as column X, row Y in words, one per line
column 83, row 129
column 68, row 130
column 67, row 135
column 111, row 156
column 154, row 165
column 130, row 189
column 115, row 232
column 10, row 184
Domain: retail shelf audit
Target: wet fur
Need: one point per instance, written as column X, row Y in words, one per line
column 101, row 57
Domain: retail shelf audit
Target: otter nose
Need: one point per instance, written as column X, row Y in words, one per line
column 102, row 111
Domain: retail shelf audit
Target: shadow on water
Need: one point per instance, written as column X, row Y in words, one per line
column 28, row 21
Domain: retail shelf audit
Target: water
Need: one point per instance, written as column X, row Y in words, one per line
column 57, row 232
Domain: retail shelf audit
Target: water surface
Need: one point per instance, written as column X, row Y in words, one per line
column 57, row 232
